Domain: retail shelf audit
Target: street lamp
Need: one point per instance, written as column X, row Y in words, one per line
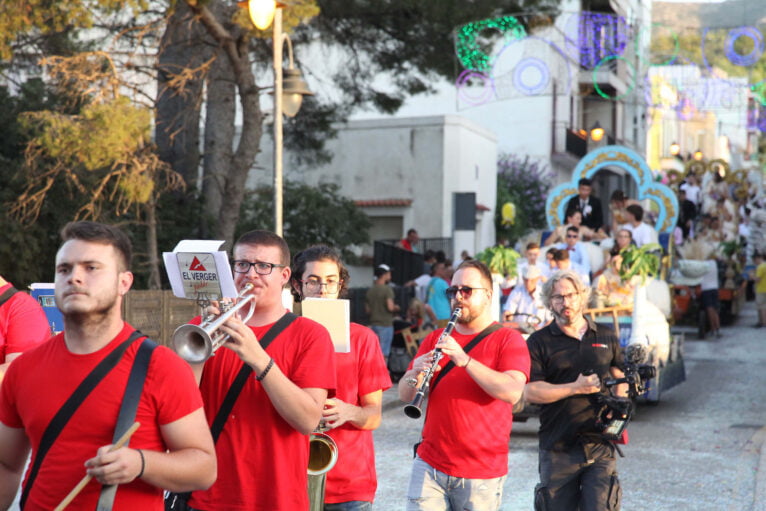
column 288, row 89
column 597, row 132
column 698, row 155
column 675, row 149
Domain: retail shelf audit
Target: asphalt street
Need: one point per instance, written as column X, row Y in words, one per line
column 699, row 449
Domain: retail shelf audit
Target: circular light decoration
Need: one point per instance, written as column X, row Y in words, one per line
column 537, row 70
column 737, row 58
column 597, row 87
column 470, row 53
column 472, row 94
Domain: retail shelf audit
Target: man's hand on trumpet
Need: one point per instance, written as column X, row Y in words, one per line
column 243, row 342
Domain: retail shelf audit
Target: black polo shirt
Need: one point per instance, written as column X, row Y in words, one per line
column 558, row 358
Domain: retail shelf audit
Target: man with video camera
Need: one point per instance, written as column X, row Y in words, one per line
column 572, row 358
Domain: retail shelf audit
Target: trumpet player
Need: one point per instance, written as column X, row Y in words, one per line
column 362, row 377
column 462, row 461
column 263, row 448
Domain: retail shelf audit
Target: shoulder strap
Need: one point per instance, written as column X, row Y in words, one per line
column 66, row 411
column 7, row 295
column 241, row 378
column 468, row 347
column 127, row 416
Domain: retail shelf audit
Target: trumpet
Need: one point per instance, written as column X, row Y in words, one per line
column 413, row 410
column 197, row 343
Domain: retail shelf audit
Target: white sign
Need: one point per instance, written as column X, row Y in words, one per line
column 335, row 316
column 197, row 269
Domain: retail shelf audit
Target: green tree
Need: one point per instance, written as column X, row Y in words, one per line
column 312, row 215
column 102, row 152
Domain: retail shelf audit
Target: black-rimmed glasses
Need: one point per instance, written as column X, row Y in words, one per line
column 261, row 268
column 314, row 285
column 466, row 291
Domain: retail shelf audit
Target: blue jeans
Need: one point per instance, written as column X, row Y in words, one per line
column 385, row 336
column 431, row 490
column 353, row 505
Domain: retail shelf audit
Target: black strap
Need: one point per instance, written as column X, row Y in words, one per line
column 468, row 347
column 127, row 414
column 66, row 411
column 239, row 381
column 7, row 295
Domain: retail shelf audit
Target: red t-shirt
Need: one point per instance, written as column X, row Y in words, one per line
column 359, row 372
column 23, row 324
column 262, row 460
column 466, row 431
column 39, row 382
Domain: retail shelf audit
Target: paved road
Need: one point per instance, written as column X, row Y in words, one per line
column 699, row 449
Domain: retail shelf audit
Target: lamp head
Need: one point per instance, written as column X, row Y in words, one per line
column 698, row 155
column 596, row 132
column 261, row 12
column 294, row 87
column 675, row 149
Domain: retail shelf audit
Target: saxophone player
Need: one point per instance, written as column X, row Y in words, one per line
column 362, row 376
column 462, row 461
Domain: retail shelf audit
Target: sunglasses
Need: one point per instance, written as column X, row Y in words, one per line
column 465, row 291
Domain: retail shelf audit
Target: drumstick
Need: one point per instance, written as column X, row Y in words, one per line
column 85, row 480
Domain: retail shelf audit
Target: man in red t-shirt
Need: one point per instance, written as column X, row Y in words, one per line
column 469, row 414
column 23, row 325
column 172, row 448
column 362, row 376
column 264, row 445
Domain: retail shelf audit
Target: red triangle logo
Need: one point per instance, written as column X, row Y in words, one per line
column 196, row 265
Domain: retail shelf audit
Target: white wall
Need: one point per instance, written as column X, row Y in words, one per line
column 421, row 159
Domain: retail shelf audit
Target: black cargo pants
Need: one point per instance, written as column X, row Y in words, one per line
column 583, row 478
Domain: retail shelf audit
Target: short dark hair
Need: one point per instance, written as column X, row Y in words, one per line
column 617, row 195
column 101, row 233
column 561, row 255
column 268, row 239
column 573, row 229
column 486, row 274
column 317, row 253
column 412, row 231
column 637, row 211
column 532, row 244
column 584, row 182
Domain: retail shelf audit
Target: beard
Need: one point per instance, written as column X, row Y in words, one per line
column 566, row 320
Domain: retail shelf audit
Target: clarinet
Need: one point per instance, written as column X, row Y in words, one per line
column 413, row 410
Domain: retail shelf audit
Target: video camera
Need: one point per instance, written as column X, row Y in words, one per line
column 616, row 412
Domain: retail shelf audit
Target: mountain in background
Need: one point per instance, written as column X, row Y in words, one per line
column 731, row 13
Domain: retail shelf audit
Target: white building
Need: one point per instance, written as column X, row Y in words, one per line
column 410, row 173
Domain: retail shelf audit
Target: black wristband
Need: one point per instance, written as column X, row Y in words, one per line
column 261, row 376
column 143, row 463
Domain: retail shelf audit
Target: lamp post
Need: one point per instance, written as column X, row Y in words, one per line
column 288, row 90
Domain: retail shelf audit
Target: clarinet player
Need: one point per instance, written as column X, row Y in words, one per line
column 462, row 461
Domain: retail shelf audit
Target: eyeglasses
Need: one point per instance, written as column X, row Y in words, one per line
column 261, row 268
column 572, row 297
column 571, row 235
column 466, row 291
column 314, row 285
